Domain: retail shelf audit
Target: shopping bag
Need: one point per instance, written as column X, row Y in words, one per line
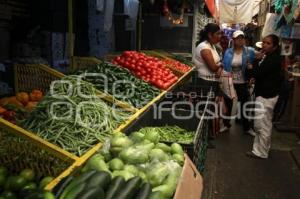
column 226, row 84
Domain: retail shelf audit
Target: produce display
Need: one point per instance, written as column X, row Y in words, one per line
column 148, row 68
column 72, row 120
column 177, row 65
column 170, row 134
column 24, row 185
column 18, row 107
column 182, row 60
column 131, row 90
column 134, row 167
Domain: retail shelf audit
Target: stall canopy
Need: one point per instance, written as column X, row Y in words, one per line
column 236, row 11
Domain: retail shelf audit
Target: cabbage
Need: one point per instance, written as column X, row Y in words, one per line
column 163, row 147
column 125, row 174
column 116, row 164
column 166, row 190
column 170, row 183
column 132, row 169
column 137, row 137
column 179, row 158
column 157, row 173
column 158, row 154
column 96, row 162
column 137, row 154
column 152, row 136
column 143, row 176
column 120, row 141
column 176, row 149
column 157, row 195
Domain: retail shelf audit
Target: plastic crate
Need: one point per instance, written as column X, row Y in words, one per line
column 154, row 118
column 29, row 77
column 20, row 152
column 84, row 62
column 34, row 76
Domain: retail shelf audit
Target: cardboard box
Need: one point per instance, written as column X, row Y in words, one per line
column 190, row 184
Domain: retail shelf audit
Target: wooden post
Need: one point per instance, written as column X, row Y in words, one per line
column 139, row 29
column 70, row 32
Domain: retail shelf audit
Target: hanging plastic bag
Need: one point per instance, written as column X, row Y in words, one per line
column 100, row 5
column 108, row 15
column 131, row 8
column 270, row 25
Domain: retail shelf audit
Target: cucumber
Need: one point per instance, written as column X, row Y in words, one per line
column 130, row 189
column 94, row 193
column 116, row 185
column 76, row 181
column 99, row 179
column 75, row 191
column 60, row 187
column 144, row 192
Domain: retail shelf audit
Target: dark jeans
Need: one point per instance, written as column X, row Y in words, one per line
column 211, row 89
column 228, row 103
column 208, row 88
column 243, row 96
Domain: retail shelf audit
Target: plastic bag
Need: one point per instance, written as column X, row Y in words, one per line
column 100, row 5
column 227, row 85
column 108, row 15
column 131, row 8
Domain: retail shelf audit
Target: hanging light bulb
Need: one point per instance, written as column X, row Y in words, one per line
column 152, row 1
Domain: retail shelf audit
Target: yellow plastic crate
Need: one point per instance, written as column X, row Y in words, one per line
column 21, row 152
column 28, row 77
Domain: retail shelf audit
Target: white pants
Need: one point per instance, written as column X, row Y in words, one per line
column 263, row 126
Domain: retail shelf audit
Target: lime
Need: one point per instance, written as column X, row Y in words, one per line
column 30, row 185
column 3, row 171
column 9, row 195
column 45, row 181
column 28, row 174
column 2, row 180
column 16, row 183
column 48, row 195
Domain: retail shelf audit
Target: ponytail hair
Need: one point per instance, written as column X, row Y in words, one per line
column 209, row 28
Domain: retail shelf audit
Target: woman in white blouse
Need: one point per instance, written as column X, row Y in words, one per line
column 208, row 61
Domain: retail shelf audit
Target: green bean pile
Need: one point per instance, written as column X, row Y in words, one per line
column 78, row 121
column 130, row 89
column 171, row 134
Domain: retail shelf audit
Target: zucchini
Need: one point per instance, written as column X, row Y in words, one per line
column 75, row 191
column 115, row 186
column 130, row 189
column 93, row 193
column 60, row 187
column 76, row 181
column 99, row 179
column 144, row 192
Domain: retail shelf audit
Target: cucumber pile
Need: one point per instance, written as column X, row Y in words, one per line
column 134, row 167
column 99, row 184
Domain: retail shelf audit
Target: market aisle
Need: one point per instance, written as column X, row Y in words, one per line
column 230, row 174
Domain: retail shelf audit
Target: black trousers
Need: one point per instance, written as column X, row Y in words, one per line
column 228, row 103
column 243, row 96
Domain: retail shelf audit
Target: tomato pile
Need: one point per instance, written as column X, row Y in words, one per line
column 150, row 69
column 177, row 65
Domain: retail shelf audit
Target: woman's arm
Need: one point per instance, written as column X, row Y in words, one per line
column 209, row 59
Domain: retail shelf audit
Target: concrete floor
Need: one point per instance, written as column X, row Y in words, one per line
column 229, row 174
